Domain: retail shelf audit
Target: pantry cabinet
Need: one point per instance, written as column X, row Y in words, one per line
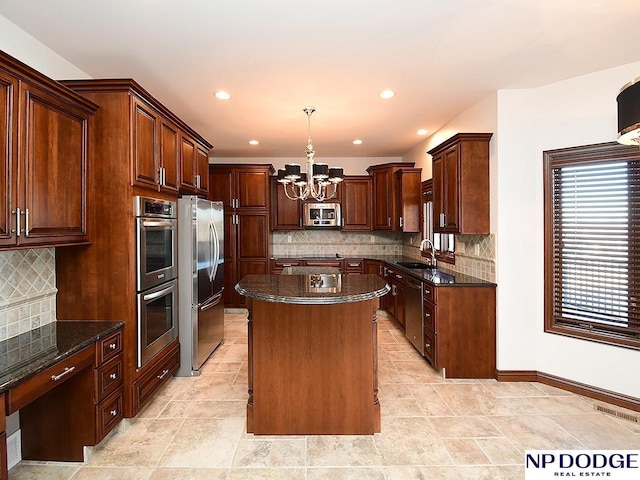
column 45, row 130
column 461, row 184
column 245, row 192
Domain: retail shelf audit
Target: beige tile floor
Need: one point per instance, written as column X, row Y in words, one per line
column 431, row 428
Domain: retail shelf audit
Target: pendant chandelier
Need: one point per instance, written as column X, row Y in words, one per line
column 629, row 113
column 319, row 181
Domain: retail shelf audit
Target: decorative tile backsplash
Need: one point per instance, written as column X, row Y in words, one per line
column 27, row 290
column 475, row 254
column 326, row 243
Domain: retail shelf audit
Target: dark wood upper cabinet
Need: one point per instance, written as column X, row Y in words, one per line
column 144, row 144
column 169, row 155
column 286, row 214
column 396, row 196
column 45, row 132
column 356, row 203
column 188, row 179
column 461, row 184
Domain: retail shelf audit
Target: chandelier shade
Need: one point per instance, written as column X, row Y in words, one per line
column 319, row 182
column 629, row 113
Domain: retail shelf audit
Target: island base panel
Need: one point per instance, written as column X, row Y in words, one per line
column 313, row 369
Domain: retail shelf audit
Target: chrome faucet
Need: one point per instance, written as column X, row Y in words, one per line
column 433, row 249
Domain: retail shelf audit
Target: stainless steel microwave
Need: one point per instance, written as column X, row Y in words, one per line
column 321, row 215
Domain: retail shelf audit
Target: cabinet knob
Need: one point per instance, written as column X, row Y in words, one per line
column 114, row 413
column 427, row 345
column 113, row 376
column 113, row 346
column 427, row 315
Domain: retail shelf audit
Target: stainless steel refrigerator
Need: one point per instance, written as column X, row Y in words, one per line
column 200, row 281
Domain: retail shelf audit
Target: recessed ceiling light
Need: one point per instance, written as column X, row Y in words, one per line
column 222, row 95
column 254, row 142
column 387, row 94
column 422, row 131
column 357, row 141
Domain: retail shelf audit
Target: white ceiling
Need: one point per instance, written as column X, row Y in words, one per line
column 277, row 56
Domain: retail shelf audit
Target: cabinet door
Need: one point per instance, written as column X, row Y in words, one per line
column 230, row 264
column 451, row 189
column 169, row 155
column 188, row 165
column 253, row 236
column 221, row 185
column 439, row 184
column 252, row 188
column 53, row 178
column 144, row 143
column 286, row 214
column 202, row 170
column 382, row 205
column 356, row 204
column 409, row 196
column 8, row 132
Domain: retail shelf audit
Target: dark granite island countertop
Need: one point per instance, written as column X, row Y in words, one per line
column 313, row 289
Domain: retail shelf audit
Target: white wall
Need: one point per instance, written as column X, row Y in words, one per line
column 578, row 111
column 350, row 165
column 19, row 44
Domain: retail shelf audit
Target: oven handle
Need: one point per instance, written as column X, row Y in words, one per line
column 159, row 223
column 159, row 293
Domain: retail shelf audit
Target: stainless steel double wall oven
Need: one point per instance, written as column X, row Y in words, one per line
column 156, row 259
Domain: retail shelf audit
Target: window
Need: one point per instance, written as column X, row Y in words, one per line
column 592, row 243
column 444, row 244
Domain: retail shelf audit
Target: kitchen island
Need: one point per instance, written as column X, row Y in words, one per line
column 312, row 353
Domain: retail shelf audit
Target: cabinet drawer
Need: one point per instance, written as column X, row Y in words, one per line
column 108, row 377
column 354, row 266
column 429, row 292
column 324, row 263
column 108, row 413
column 397, row 276
column 430, row 347
column 40, row 384
column 429, row 319
column 109, row 347
column 146, row 386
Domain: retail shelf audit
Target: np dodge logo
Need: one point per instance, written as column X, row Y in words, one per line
column 610, row 464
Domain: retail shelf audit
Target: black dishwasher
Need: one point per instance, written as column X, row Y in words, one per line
column 414, row 329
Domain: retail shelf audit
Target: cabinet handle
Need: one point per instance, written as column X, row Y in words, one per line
column 113, row 346
column 113, row 376
column 198, row 181
column 393, row 290
column 388, row 221
column 443, row 220
column 26, row 221
column 16, row 212
column 354, row 264
column 67, row 371
column 114, row 413
column 163, row 374
column 399, row 277
column 400, row 222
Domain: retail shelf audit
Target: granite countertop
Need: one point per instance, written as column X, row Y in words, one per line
column 313, row 289
column 32, row 352
column 438, row 277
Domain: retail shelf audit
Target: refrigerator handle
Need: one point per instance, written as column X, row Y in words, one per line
column 212, row 302
column 215, row 251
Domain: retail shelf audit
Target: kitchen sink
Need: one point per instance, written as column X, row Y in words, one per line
column 417, row 265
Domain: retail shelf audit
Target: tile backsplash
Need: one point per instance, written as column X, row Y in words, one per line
column 326, row 243
column 27, row 290
column 475, row 254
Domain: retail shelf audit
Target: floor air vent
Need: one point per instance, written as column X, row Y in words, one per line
column 14, row 450
column 615, row 413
